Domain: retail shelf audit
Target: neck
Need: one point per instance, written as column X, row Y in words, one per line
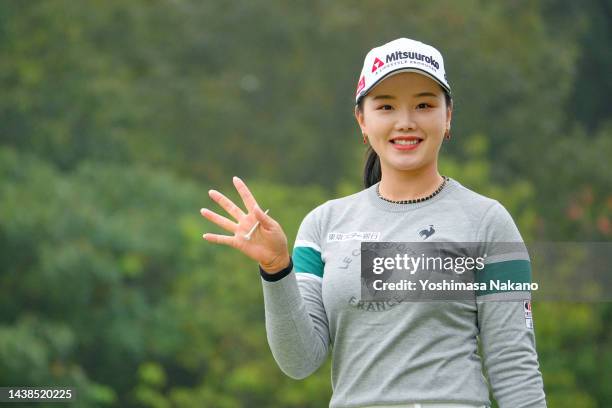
column 409, row 185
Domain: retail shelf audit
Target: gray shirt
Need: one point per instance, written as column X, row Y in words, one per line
column 403, row 352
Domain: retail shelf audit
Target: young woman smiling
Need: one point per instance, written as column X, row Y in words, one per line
column 385, row 352
column 408, row 114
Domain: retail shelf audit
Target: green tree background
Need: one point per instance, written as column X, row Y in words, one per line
column 117, row 117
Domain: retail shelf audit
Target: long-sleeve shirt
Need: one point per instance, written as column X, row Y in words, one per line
column 386, row 352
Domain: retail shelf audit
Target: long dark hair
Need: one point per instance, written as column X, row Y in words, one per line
column 372, row 172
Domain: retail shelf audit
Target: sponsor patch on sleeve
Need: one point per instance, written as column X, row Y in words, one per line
column 528, row 316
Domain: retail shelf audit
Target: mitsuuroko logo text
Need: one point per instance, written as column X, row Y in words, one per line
column 401, row 55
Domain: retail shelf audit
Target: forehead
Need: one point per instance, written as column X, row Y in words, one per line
column 406, row 83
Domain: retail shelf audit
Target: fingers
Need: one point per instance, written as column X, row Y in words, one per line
column 245, row 194
column 226, row 204
column 264, row 219
column 220, row 239
column 220, row 220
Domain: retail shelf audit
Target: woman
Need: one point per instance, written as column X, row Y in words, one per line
column 386, row 353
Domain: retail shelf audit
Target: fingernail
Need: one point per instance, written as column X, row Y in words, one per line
column 202, row 210
column 204, row 236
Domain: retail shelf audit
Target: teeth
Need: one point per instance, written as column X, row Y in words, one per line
column 406, row 142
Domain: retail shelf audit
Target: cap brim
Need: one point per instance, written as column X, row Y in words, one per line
column 399, row 71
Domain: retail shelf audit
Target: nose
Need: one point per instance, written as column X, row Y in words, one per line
column 405, row 120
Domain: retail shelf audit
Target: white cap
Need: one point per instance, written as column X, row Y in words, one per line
column 401, row 55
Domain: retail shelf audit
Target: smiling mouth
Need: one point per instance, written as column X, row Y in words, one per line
column 406, row 142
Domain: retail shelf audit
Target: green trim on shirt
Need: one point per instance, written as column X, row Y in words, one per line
column 308, row 260
column 515, row 271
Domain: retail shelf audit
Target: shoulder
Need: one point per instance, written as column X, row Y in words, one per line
column 490, row 216
column 478, row 204
column 312, row 232
column 470, row 199
column 317, row 221
column 335, row 205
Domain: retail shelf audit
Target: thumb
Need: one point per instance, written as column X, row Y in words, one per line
column 264, row 220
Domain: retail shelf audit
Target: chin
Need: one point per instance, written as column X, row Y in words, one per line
column 407, row 167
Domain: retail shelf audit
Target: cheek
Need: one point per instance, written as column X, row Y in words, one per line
column 380, row 127
column 435, row 125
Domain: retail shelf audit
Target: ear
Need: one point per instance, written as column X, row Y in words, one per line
column 449, row 115
column 360, row 119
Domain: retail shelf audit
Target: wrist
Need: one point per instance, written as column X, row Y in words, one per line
column 273, row 274
column 277, row 265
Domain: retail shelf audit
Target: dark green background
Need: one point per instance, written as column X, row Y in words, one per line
column 116, row 117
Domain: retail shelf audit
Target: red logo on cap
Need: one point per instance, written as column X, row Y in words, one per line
column 377, row 64
column 360, row 85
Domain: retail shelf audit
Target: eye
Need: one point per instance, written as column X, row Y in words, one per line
column 382, row 107
column 423, row 105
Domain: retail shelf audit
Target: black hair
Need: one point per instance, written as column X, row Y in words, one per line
column 372, row 173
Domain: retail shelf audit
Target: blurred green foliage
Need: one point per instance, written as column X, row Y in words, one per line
column 117, row 117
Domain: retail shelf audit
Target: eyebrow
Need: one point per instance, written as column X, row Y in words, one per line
column 415, row 95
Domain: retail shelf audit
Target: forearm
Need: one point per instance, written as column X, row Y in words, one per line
column 296, row 325
column 510, row 355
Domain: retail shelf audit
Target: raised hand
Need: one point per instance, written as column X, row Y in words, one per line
column 267, row 244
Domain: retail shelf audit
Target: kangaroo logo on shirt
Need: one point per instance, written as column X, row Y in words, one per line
column 426, row 233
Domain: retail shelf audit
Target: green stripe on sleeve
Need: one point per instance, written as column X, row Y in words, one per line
column 517, row 271
column 306, row 259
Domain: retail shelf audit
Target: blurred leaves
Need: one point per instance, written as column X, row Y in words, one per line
column 117, row 117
